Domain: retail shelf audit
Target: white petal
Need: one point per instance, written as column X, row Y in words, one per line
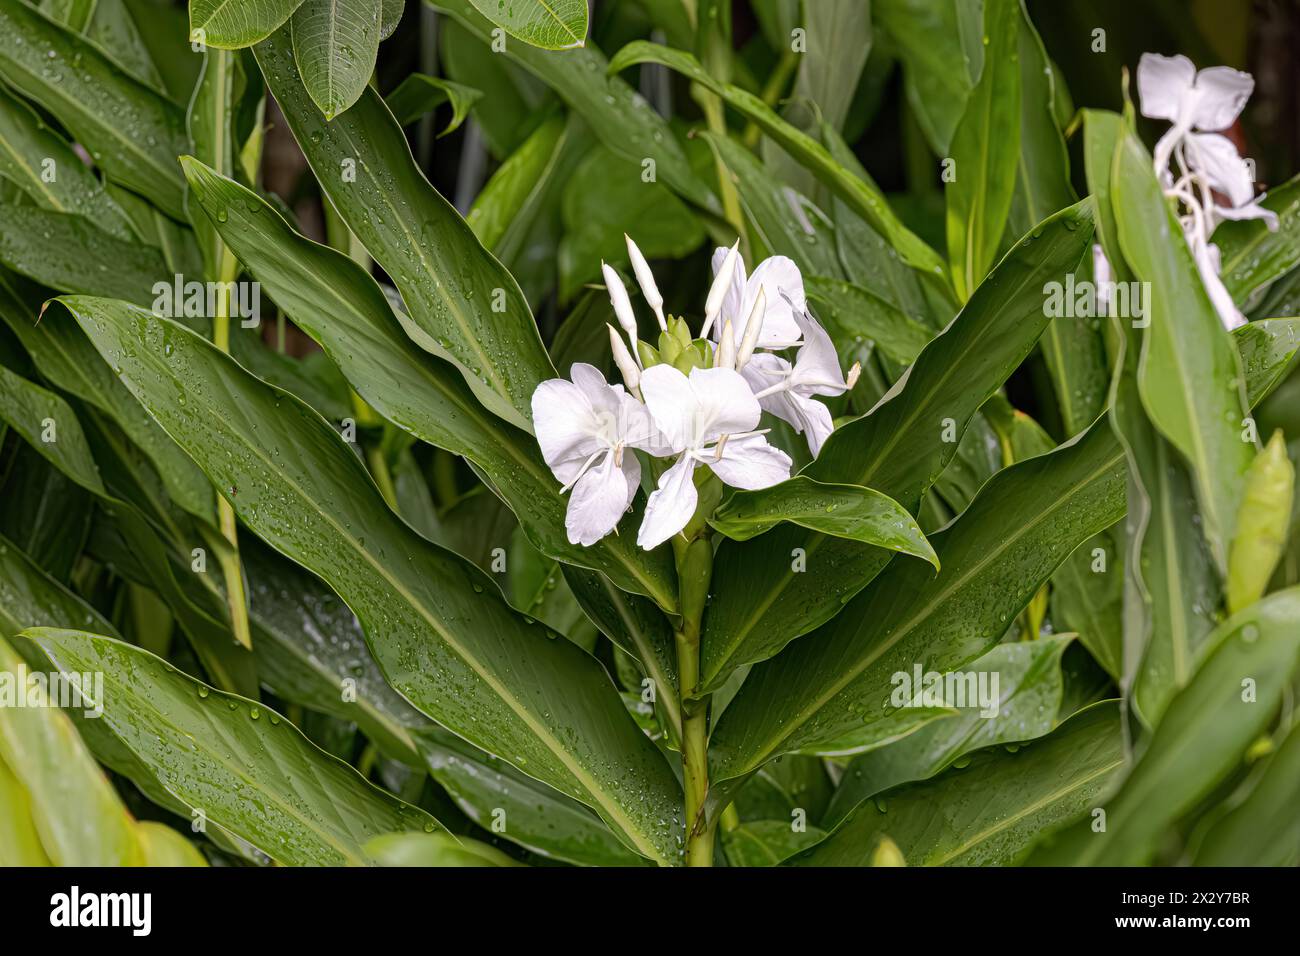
column 1215, row 157
column 724, row 403
column 1251, row 210
column 670, row 506
column 1207, row 263
column 566, row 426
column 670, row 403
column 1221, row 92
column 779, row 279
column 597, row 502
column 817, row 362
column 735, row 291
column 815, row 419
column 750, row 463
column 1163, row 82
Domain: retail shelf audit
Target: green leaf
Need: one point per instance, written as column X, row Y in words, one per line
column 1200, row 740
column 335, row 45
column 231, row 24
column 463, row 304
column 939, row 44
column 897, row 449
column 1189, row 376
column 1252, row 256
column 44, row 165
column 1029, row 689
column 414, row 390
column 605, row 199
column 855, row 313
column 863, row 198
column 242, row 765
column 434, row 849
column 767, row 842
column 1268, row 351
column 392, row 11
column 845, row 511
column 838, row 38
column 537, row 817
column 132, row 132
column 419, row 94
column 548, row 24
column 211, row 124
column 985, row 153
column 75, row 809
column 1263, row 522
column 162, row 846
column 30, row 597
column 831, row 693
column 990, row 812
column 20, row 844
column 614, row 111
column 1263, row 829
column 68, row 252
column 441, row 631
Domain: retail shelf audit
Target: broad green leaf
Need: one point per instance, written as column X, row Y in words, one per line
column 62, row 354
column 988, row 813
column 434, row 849
column 335, row 44
column 1088, row 595
column 860, row 196
column 1252, row 256
column 1263, row 829
column 68, row 252
column 1029, row 690
column 132, row 132
column 832, row 692
column 614, row 111
column 845, row 511
column 767, row 842
column 247, row 769
column 858, row 314
column 419, row 94
column 20, row 844
column 30, row 597
column 75, row 809
column 162, row 846
column 939, row 44
column 75, row 14
column 311, row 651
column 762, row 601
column 441, row 631
column 1268, row 351
column 1200, row 740
column 463, row 304
column 392, row 11
column 985, row 153
column 1189, row 376
column 414, row 390
column 548, row 24
column 114, row 28
column 45, row 513
column 605, row 199
column 838, row 38
column 44, row 166
column 231, row 24
column 536, row 816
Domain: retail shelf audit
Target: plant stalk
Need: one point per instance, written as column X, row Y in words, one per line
column 228, row 557
column 694, row 554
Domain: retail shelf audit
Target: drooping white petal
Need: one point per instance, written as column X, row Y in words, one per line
column 671, row 505
column 817, row 364
column 597, row 502
column 1221, row 93
column 1250, row 210
column 750, row 462
column 1207, row 263
column 782, row 284
column 566, row 425
column 808, row 416
column 1163, row 82
column 1215, row 157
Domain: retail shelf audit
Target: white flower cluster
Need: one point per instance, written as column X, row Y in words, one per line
column 1206, row 163
column 696, row 400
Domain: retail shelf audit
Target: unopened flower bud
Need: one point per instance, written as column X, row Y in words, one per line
column 646, row 280
column 618, row 298
column 623, row 359
column 718, row 291
column 753, row 326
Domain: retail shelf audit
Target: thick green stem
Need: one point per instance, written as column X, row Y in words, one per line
column 694, row 570
column 228, row 557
